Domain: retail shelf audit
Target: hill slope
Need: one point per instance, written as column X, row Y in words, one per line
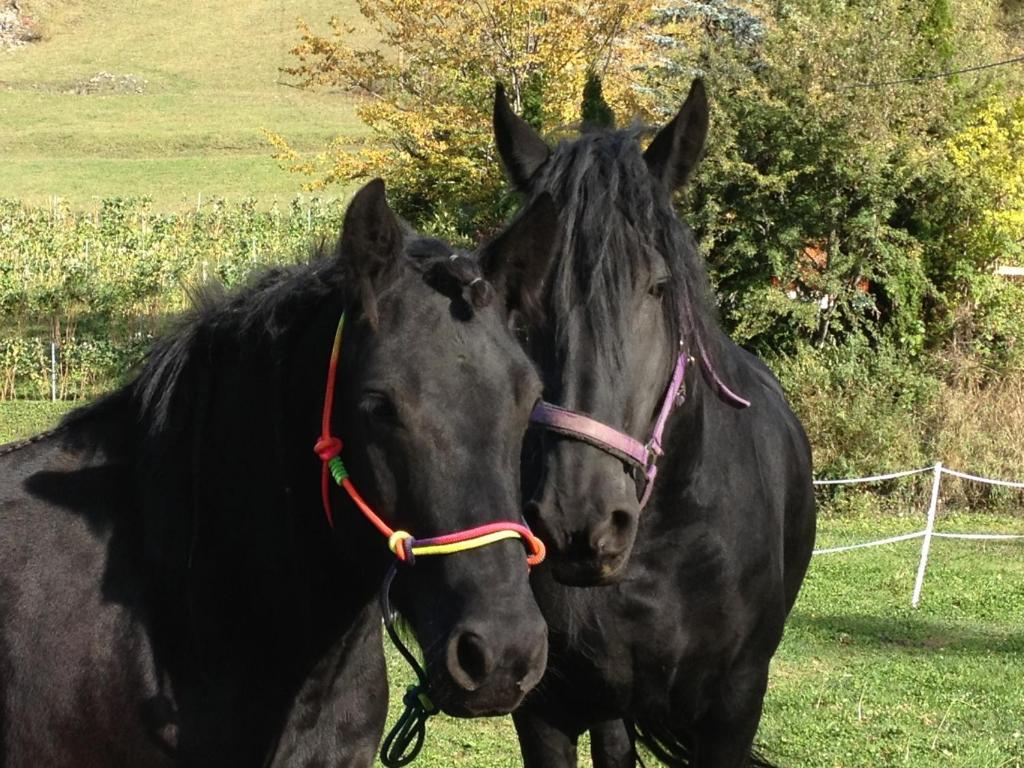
column 162, row 99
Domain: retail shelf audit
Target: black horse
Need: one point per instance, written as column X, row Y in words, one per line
column 170, row 590
column 700, row 579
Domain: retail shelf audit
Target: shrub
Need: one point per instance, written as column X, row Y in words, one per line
column 102, row 284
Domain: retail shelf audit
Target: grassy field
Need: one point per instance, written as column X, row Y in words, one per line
column 861, row 680
column 210, row 84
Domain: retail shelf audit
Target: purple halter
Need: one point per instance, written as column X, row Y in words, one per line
column 642, row 456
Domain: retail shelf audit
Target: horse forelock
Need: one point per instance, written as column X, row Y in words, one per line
column 618, row 227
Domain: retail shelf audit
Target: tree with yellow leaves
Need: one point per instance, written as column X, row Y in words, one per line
column 426, row 86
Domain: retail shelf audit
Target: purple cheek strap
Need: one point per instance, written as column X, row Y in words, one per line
column 642, row 456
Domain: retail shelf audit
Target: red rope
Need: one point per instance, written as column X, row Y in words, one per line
column 328, row 448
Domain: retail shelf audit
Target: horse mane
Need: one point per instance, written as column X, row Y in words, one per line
column 264, row 310
column 611, row 208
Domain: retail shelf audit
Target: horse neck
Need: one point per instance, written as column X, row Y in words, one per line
column 233, row 498
column 696, row 440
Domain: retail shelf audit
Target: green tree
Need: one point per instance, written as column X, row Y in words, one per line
column 426, row 85
column 975, row 223
column 595, row 111
column 821, row 151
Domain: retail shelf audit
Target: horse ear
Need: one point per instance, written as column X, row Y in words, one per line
column 518, row 260
column 673, row 155
column 371, row 244
column 522, row 150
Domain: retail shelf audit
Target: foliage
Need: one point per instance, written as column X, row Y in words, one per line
column 594, row 110
column 975, row 421
column 21, row 419
column 861, row 406
column 976, row 223
column 820, row 158
column 840, row 198
column 867, row 411
column 100, row 285
column 427, row 87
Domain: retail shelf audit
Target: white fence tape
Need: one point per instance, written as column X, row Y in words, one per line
column 929, row 531
column 987, row 480
column 874, row 478
column 877, row 543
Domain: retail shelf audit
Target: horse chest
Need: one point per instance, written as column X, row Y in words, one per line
column 651, row 644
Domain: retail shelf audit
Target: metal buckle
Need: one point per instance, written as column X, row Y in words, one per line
column 653, row 453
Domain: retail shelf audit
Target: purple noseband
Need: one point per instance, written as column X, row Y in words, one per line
column 642, row 456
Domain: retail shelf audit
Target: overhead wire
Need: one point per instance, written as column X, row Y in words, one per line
column 933, row 75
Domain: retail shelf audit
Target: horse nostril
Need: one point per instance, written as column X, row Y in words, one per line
column 612, row 538
column 622, row 522
column 469, row 663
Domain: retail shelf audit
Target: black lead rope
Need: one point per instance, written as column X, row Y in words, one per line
column 404, row 741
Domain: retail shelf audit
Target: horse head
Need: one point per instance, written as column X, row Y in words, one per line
column 433, row 399
column 625, row 308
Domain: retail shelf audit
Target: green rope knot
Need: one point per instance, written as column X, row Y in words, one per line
column 405, row 739
column 337, row 469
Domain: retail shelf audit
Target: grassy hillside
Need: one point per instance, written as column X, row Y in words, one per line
column 194, row 84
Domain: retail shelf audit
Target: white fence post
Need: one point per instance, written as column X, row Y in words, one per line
column 926, row 542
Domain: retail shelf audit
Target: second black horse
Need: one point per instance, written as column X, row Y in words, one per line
column 700, row 579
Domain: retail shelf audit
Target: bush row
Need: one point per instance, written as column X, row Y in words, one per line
column 869, row 410
column 100, row 284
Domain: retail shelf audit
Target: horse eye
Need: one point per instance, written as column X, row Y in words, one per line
column 378, row 408
column 657, row 290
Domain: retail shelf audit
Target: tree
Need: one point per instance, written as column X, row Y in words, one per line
column 426, row 86
column 979, row 215
column 822, row 153
column 594, row 110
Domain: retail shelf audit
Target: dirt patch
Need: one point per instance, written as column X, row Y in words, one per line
column 17, row 27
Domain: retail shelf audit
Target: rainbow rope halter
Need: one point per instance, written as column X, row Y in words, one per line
column 402, row 543
column 404, row 741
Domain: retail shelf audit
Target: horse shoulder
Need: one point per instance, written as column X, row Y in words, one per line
column 72, row 646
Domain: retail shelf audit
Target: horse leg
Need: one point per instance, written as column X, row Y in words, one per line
column 725, row 736
column 543, row 744
column 611, row 745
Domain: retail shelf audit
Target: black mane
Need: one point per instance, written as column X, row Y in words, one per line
column 254, row 320
column 262, row 311
column 611, row 208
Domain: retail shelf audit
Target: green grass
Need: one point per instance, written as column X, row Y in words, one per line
column 212, row 86
column 21, row 418
column 861, row 679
